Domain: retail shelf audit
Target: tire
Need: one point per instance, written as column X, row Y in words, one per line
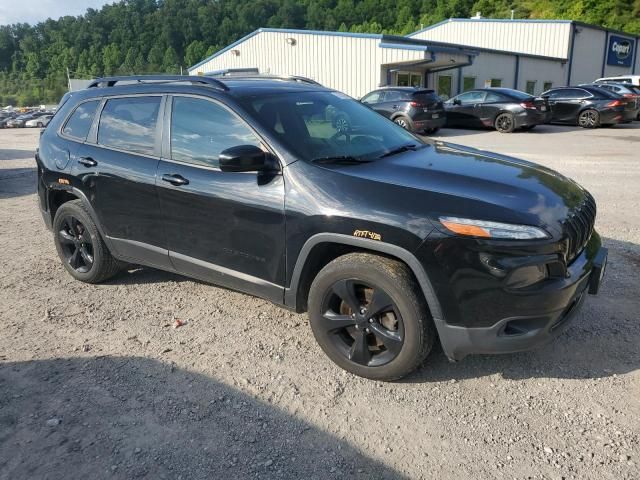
column 404, row 323
column 589, row 118
column 342, row 123
column 505, row 123
column 75, row 233
column 40, row 125
column 404, row 122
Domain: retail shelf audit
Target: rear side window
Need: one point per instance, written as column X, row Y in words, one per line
column 80, row 121
column 201, row 129
column 129, row 124
column 394, row 96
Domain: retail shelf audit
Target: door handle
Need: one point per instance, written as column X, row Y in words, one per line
column 175, row 179
column 87, row 161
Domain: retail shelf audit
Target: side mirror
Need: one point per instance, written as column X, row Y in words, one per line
column 457, row 101
column 244, row 158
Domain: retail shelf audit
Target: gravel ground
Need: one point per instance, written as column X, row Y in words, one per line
column 95, row 382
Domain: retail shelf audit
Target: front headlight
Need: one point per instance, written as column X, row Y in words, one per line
column 485, row 229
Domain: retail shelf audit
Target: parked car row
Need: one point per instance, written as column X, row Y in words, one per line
column 33, row 119
column 589, row 106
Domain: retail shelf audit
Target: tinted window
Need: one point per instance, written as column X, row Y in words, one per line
column 129, row 124
column 373, row 97
column 425, row 96
column 493, row 97
column 79, row 123
column 200, row 130
column 327, row 124
column 471, row 97
column 394, row 96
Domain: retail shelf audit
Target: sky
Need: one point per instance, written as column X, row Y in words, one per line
column 34, row 11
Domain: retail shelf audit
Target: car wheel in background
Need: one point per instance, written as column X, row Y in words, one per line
column 505, row 123
column 40, row 125
column 369, row 316
column 404, row 122
column 590, row 118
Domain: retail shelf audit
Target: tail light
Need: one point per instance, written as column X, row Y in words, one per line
column 528, row 104
column 415, row 104
column 615, row 103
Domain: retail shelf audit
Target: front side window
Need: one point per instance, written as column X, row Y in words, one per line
column 201, row 130
column 323, row 125
column 80, row 122
column 476, row 96
column 373, row 97
column 129, row 124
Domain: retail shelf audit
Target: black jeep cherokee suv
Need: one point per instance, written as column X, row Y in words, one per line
column 387, row 241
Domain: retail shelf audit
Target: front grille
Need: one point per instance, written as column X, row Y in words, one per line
column 578, row 226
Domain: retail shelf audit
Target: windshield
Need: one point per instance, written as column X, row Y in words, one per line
column 326, row 125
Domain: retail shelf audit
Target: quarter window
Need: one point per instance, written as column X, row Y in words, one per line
column 201, row 130
column 80, row 122
column 129, row 124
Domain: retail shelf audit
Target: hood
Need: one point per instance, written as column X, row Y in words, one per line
column 474, row 183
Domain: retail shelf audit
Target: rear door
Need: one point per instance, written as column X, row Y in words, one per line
column 392, row 103
column 222, row 227
column 118, row 165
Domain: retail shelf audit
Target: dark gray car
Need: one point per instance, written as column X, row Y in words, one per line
column 504, row 109
column 414, row 109
column 588, row 107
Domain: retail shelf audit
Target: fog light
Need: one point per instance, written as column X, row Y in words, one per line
column 526, row 276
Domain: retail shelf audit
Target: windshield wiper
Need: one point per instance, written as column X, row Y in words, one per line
column 403, row 148
column 340, row 160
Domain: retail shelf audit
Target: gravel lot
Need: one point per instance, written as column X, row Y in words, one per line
column 95, row 382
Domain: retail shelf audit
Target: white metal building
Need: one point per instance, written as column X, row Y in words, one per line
column 451, row 56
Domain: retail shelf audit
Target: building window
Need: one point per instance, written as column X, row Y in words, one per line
column 409, row 80
column 531, row 87
column 496, row 82
column 444, row 86
column 547, row 86
column 468, row 83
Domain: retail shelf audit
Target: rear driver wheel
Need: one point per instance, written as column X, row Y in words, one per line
column 369, row 317
column 80, row 247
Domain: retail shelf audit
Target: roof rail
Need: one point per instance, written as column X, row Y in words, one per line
column 202, row 80
column 252, row 74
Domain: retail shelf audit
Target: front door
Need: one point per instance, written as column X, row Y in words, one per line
column 222, row 227
column 465, row 110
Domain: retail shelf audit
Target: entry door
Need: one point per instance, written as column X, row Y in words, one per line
column 222, row 227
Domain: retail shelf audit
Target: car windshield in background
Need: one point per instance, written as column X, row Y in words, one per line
column 329, row 125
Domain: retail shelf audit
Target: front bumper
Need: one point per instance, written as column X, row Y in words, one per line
column 557, row 303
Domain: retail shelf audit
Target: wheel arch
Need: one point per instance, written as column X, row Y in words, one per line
column 322, row 248
column 58, row 197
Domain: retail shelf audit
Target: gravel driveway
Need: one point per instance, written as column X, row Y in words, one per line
column 96, row 383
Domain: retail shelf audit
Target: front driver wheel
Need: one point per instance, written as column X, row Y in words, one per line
column 80, row 247
column 368, row 315
column 589, row 119
column 505, row 123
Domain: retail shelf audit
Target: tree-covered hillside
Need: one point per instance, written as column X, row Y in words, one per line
column 140, row 36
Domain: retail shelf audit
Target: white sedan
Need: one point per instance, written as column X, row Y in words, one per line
column 39, row 122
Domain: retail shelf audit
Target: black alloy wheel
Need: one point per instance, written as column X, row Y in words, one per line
column 76, row 244
column 363, row 322
column 505, row 123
